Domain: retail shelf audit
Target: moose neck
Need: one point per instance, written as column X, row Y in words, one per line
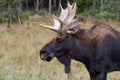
column 81, row 47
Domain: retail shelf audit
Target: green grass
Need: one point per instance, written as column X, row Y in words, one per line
column 19, row 55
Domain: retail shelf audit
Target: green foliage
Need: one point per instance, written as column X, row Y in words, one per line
column 27, row 7
column 15, row 8
column 86, row 12
column 105, row 15
column 83, row 4
column 1, row 19
column 24, row 16
column 3, row 16
column 107, row 11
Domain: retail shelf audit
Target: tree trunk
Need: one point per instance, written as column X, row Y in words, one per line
column 41, row 3
column 27, row 5
column 18, row 13
column 102, row 3
column 37, row 5
column 54, row 2
column 118, row 9
column 50, row 3
column 94, row 7
column 34, row 7
column 10, row 16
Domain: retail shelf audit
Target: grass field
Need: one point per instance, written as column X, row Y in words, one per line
column 19, row 54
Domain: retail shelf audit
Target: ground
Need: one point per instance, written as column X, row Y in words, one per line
column 19, row 53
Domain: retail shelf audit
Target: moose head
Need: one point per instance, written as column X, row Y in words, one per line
column 65, row 26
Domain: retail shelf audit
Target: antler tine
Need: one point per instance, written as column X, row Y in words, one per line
column 71, row 13
column 70, row 6
column 56, row 26
column 64, row 12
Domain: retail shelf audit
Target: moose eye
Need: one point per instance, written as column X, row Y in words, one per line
column 60, row 34
column 59, row 40
column 58, row 51
column 43, row 52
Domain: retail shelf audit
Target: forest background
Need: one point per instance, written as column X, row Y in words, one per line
column 21, row 36
column 16, row 11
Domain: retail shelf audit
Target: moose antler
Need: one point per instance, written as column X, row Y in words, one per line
column 64, row 13
column 66, row 18
column 55, row 27
column 71, row 13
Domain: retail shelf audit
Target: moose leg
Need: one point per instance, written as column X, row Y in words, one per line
column 93, row 77
column 100, row 76
column 66, row 61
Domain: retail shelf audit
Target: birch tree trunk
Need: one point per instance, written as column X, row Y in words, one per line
column 102, row 4
column 118, row 10
column 50, row 4
column 37, row 5
column 10, row 16
column 18, row 13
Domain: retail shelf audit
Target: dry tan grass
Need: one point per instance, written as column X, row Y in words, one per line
column 19, row 55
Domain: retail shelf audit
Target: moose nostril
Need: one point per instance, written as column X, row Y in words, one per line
column 42, row 57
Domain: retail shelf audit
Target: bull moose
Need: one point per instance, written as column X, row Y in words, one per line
column 97, row 48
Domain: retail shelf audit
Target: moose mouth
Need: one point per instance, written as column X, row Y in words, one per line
column 47, row 58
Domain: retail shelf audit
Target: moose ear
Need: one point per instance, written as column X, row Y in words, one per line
column 72, row 30
column 59, row 39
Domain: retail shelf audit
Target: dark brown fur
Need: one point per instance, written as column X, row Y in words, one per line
column 98, row 48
